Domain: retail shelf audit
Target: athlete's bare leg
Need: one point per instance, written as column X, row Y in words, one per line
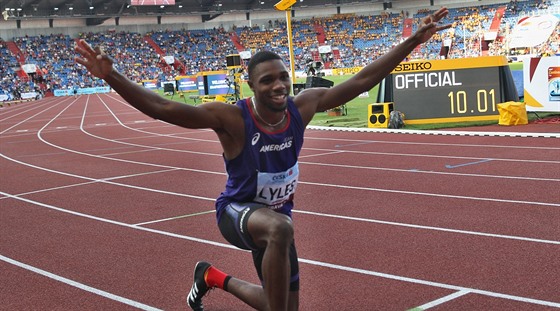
column 275, row 232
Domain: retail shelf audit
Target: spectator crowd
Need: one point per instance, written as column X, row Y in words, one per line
column 353, row 40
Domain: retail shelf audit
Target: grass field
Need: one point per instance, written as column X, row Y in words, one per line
column 357, row 109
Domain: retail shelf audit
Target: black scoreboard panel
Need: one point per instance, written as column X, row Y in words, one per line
column 443, row 94
column 452, row 90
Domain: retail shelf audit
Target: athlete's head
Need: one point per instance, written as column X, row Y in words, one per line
column 269, row 79
column 260, row 57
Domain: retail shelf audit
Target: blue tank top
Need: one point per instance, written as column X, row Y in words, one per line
column 266, row 171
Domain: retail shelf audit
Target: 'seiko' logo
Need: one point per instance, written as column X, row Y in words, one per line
column 413, row 66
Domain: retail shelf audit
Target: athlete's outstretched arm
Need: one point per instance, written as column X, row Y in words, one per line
column 373, row 73
column 212, row 115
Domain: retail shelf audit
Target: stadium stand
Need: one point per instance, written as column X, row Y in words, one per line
column 355, row 39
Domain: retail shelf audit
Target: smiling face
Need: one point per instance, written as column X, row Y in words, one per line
column 270, row 82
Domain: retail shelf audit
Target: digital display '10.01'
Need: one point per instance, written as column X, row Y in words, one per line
column 451, row 90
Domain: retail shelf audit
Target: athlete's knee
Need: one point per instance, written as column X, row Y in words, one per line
column 281, row 231
column 268, row 227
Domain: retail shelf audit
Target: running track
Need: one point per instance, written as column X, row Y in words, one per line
column 103, row 208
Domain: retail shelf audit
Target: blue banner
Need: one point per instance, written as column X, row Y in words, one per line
column 187, row 84
column 83, row 91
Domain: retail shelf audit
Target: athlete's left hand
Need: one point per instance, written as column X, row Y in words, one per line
column 430, row 26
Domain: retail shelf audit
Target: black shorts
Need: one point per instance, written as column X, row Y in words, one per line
column 233, row 226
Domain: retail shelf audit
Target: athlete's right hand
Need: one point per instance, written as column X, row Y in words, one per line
column 95, row 60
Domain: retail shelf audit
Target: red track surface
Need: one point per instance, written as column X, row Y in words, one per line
column 102, row 208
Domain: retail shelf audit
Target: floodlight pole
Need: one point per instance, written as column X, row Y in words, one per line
column 283, row 6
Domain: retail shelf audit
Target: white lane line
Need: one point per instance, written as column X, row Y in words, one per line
column 430, row 194
column 31, row 117
column 319, row 154
column 93, row 181
column 12, row 113
column 468, row 163
column 78, row 285
column 426, row 172
column 108, row 180
column 398, row 224
column 441, row 300
column 435, row 132
column 423, row 155
column 174, row 218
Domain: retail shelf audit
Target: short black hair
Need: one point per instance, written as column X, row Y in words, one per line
column 259, row 57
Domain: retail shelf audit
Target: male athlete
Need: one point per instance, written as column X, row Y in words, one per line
column 261, row 139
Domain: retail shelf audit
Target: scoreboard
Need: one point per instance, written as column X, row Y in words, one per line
column 449, row 90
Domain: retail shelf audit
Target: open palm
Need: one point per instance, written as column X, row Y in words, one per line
column 429, row 25
column 96, row 61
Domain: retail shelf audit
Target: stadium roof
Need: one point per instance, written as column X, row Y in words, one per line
column 25, row 9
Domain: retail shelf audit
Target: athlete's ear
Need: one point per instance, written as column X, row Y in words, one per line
column 250, row 83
